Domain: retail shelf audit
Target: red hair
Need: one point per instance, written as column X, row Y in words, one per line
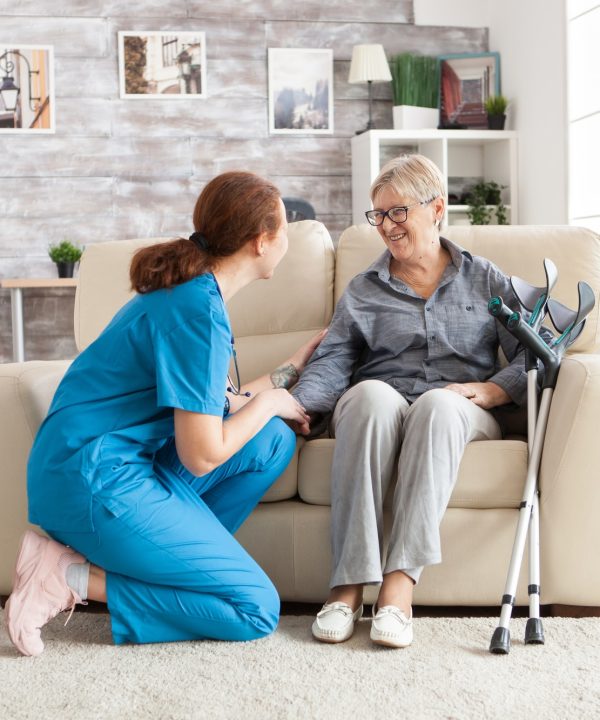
column 233, row 209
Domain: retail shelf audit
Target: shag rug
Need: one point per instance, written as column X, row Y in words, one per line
column 447, row 673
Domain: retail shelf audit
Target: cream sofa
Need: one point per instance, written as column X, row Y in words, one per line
column 289, row 531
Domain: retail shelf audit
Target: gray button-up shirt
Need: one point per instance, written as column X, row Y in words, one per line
column 383, row 330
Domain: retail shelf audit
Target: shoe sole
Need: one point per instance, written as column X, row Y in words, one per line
column 332, row 641
column 390, row 643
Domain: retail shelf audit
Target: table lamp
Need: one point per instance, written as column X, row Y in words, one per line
column 369, row 65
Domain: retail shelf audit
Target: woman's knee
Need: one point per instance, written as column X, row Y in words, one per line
column 372, row 400
column 438, row 407
column 438, row 399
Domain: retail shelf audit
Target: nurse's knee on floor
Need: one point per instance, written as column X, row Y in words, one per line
column 261, row 611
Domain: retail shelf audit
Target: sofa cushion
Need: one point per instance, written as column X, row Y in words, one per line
column 491, row 475
column 517, row 250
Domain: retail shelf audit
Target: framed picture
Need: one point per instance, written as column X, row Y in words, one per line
column 300, row 91
column 466, row 81
column 26, row 89
column 162, row 65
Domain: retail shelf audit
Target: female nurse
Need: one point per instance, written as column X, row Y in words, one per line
column 151, row 456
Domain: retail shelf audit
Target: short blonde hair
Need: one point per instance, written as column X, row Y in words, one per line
column 414, row 176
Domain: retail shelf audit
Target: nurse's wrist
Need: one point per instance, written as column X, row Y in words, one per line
column 284, row 376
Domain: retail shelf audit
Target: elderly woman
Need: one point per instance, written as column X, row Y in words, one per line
column 410, row 369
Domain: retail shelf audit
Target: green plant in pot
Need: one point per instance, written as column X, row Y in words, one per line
column 485, row 199
column 495, row 107
column 415, row 87
column 66, row 255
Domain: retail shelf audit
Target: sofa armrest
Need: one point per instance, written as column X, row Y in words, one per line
column 570, row 486
column 26, row 390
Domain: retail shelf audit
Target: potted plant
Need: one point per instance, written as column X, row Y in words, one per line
column 495, row 107
column 65, row 255
column 415, row 87
column 484, row 199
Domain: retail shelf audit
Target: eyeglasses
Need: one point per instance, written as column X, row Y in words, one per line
column 397, row 215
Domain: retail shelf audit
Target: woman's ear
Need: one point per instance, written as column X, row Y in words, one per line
column 439, row 206
column 260, row 244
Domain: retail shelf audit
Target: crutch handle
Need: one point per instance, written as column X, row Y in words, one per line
column 528, row 337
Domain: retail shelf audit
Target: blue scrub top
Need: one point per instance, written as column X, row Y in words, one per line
column 113, row 409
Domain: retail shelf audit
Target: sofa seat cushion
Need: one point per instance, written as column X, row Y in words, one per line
column 491, row 475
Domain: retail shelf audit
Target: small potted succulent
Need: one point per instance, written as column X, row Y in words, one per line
column 495, row 107
column 65, row 254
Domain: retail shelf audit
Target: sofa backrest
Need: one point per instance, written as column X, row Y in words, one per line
column 271, row 319
column 515, row 249
column 282, row 312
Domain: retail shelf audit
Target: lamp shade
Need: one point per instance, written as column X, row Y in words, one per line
column 369, row 63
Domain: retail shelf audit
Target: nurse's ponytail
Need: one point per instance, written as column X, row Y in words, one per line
column 232, row 210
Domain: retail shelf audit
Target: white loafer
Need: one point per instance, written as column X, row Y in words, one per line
column 391, row 627
column 335, row 622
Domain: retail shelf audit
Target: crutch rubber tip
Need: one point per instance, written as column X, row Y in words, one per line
column 534, row 632
column 500, row 644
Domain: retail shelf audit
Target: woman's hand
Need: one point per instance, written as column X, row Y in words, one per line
column 303, row 353
column 285, row 406
column 486, row 395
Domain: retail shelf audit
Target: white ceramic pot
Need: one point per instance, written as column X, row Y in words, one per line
column 411, row 117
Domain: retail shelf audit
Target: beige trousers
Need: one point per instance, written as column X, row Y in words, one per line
column 380, row 438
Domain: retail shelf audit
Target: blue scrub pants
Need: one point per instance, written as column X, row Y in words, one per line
column 174, row 571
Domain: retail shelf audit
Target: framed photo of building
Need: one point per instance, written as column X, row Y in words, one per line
column 466, row 82
column 162, row 65
column 300, row 91
column 26, row 89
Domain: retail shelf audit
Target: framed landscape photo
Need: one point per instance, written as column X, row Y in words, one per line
column 162, row 65
column 466, row 82
column 300, row 91
column 26, row 89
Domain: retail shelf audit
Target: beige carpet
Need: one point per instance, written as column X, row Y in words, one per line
column 447, row 673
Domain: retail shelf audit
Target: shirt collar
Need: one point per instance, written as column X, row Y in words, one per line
column 381, row 266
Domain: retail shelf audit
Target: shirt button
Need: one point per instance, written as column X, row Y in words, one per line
column 432, row 337
column 469, row 307
column 428, row 309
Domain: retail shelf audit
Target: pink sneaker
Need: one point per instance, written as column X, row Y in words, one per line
column 40, row 590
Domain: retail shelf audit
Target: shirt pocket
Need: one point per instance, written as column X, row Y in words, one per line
column 470, row 329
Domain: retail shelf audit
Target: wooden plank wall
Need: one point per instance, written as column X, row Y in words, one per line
column 121, row 169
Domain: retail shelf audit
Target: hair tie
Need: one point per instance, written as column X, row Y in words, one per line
column 199, row 239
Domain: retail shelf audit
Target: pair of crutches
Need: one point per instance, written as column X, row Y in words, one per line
column 568, row 324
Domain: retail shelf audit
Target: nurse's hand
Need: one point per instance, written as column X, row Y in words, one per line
column 283, row 405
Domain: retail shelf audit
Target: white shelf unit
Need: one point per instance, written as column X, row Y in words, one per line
column 487, row 154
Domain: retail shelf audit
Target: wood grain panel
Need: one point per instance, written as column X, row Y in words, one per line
column 86, row 78
column 395, row 11
column 395, row 39
column 71, row 36
column 219, row 117
column 91, row 8
column 274, row 156
column 41, row 197
column 328, row 195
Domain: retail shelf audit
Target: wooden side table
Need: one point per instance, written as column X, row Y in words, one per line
column 16, row 287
